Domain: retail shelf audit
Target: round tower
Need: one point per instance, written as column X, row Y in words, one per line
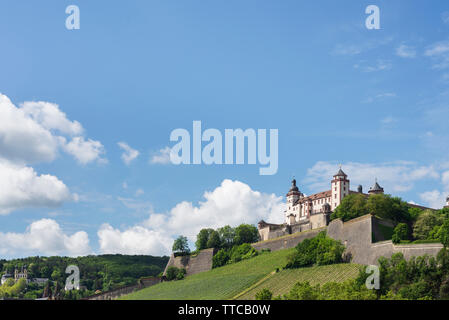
column 447, row 202
column 339, row 188
column 376, row 189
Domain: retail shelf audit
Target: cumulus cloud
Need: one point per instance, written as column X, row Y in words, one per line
column 397, row 176
column 22, row 139
column 44, row 237
column 163, row 157
column 231, row 203
column 129, row 153
column 135, row 240
column 36, row 131
column 85, row 151
column 50, row 117
column 22, row 188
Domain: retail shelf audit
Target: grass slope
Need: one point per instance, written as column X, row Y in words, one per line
column 280, row 283
column 216, row 284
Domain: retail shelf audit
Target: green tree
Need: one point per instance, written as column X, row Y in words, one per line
column 181, row 245
column 214, row 240
column 400, row 232
column 246, row 233
column 352, row 206
column 264, row 294
column 425, row 224
column 227, row 235
column 220, row 258
column 202, row 238
column 444, row 233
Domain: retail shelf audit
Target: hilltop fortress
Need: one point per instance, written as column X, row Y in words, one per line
column 306, row 216
column 313, row 212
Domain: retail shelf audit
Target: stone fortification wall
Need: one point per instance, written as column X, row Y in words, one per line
column 356, row 235
column 199, row 263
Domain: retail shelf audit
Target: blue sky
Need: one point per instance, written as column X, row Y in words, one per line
column 375, row 101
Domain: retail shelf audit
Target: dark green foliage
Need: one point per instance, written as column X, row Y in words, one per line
column 202, row 238
column 320, row 250
column 352, row 206
column 214, row 240
column 444, row 233
column 104, row 272
column 233, row 255
column 227, row 235
column 264, row 294
column 419, row 278
column 220, row 258
column 246, row 233
column 181, row 245
column 401, row 232
column 381, row 205
column 174, row 273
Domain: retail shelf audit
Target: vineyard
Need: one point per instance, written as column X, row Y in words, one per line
column 220, row 283
column 281, row 282
column 243, row 279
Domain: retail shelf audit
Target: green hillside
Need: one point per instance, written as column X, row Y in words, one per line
column 280, row 283
column 231, row 281
column 216, row 284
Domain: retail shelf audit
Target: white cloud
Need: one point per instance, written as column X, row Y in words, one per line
column 135, row 240
column 36, row 132
column 439, row 52
column 434, row 199
column 398, row 176
column 362, row 46
column 50, row 117
column 130, row 154
column 163, row 157
column 139, row 192
column 380, row 96
column 405, row 51
column 85, row 151
column 380, row 65
column 22, row 139
column 44, row 237
column 22, row 188
column 232, row 203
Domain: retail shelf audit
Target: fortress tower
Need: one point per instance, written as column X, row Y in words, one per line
column 339, row 188
column 376, row 189
column 447, row 202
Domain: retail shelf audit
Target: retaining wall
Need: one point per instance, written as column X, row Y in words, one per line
column 199, row 263
column 356, row 235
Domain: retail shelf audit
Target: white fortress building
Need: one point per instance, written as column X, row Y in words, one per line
column 313, row 212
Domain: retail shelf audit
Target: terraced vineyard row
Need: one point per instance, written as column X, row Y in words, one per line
column 280, row 283
column 219, row 283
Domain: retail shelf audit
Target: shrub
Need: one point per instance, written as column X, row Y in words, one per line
column 220, row 258
column 242, row 252
column 320, row 250
column 175, row 273
column 400, row 233
column 264, row 294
